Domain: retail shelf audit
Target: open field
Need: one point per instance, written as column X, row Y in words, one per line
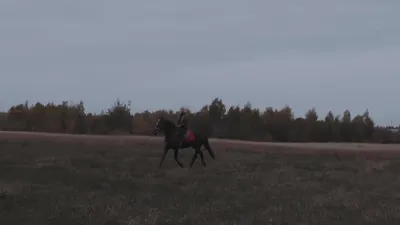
column 66, row 179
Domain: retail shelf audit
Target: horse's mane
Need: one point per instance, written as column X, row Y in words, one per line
column 169, row 122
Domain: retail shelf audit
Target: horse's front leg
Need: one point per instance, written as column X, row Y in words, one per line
column 176, row 157
column 193, row 159
column 165, row 153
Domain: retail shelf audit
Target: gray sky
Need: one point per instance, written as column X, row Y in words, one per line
column 332, row 55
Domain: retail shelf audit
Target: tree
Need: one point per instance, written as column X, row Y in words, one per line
column 311, row 118
column 216, row 112
column 119, row 116
column 233, row 122
column 369, row 126
column 283, row 119
column 346, row 127
column 357, row 129
column 215, row 120
column 330, row 124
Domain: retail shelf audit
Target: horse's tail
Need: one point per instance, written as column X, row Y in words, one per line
column 208, row 147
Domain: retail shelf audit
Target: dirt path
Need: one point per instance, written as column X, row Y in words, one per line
column 257, row 146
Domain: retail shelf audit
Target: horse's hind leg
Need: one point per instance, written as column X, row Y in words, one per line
column 193, row 159
column 163, row 157
column 202, row 158
column 176, row 157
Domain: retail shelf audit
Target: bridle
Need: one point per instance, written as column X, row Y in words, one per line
column 157, row 128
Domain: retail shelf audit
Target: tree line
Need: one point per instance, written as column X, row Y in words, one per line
column 215, row 120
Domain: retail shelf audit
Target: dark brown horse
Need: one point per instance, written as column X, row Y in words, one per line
column 193, row 140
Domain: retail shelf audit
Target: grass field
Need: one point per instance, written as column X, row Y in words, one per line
column 116, row 180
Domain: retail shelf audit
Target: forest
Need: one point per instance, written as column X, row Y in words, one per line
column 214, row 120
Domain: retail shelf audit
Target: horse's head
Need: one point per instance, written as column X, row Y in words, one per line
column 159, row 125
column 163, row 125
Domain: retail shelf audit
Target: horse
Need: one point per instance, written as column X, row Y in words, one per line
column 193, row 140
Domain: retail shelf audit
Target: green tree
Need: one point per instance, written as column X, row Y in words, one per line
column 369, row 126
column 346, row 126
column 216, row 112
column 119, row 116
column 233, row 122
column 311, row 118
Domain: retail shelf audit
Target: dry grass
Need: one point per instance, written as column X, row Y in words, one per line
column 117, row 181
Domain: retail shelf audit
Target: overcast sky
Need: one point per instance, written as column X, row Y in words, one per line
column 332, row 55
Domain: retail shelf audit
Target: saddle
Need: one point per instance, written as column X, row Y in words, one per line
column 188, row 136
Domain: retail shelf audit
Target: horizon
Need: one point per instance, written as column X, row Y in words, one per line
column 133, row 111
column 329, row 55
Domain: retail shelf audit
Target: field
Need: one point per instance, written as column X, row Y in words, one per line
column 66, row 179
